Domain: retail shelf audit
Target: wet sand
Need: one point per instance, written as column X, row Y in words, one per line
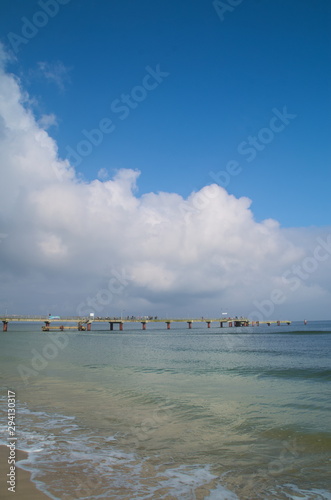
column 25, row 488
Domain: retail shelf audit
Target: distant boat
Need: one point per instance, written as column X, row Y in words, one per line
column 54, row 317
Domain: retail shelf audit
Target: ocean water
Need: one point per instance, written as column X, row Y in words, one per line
column 217, row 414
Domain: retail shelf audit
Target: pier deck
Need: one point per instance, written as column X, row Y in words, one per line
column 86, row 323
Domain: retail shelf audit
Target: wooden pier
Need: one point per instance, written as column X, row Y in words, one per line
column 85, row 324
column 49, row 328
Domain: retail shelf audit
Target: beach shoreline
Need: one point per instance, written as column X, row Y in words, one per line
column 25, row 489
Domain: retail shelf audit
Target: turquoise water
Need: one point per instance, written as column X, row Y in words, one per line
column 182, row 414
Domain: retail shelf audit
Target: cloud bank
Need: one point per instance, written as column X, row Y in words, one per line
column 75, row 246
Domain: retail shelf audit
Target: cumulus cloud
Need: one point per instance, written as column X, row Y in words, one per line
column 80, row 246
column 103, row 174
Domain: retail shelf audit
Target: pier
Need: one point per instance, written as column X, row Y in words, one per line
column 85, row 324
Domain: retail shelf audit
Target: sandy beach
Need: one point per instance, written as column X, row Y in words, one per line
column 25, row 488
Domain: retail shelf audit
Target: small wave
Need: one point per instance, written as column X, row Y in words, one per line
column 292, row 492
column 92, row 466
column 313, row 374
column 304, row 373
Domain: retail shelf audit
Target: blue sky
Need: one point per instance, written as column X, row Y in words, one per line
column 225, row 77
column 158, row 100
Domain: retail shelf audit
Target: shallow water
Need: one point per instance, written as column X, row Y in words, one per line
column 180, row 414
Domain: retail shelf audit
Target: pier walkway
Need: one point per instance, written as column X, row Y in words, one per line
column 83, row 324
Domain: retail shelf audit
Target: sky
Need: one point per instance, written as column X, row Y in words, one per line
column 165, row 158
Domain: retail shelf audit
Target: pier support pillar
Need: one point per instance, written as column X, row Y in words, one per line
column 221, row 324
column 230, row 323
column 5, row 326
column 121, row 327
column 189, row 323
column 208, row 324
column 257, row 323
column 168, row 325
column 143, row 324
column 278, row 323
column 88, row 327
column 111, row 326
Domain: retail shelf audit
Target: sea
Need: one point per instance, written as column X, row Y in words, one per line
column 188, row 414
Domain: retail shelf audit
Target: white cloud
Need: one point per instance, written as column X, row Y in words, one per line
column 47, row 121
column 55, row 72
column 52, row 246
column 103, row 174
column 198, row 255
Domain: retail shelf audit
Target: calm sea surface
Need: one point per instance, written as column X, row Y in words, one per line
column 232, row 413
